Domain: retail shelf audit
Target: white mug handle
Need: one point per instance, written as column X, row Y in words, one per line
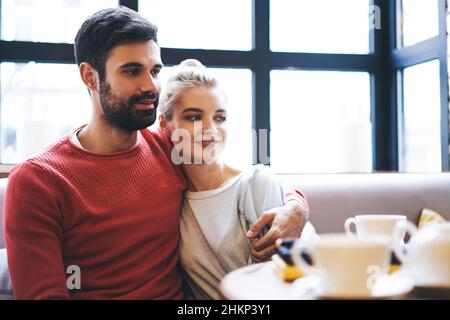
column 348, row 225
column 298, row 259
column 400, row 227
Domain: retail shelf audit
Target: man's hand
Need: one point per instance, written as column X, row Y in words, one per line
column 284, row 222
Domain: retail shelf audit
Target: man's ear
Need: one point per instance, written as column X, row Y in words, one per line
column 89, row 76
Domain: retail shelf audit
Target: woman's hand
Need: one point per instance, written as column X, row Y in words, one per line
column 284, row 222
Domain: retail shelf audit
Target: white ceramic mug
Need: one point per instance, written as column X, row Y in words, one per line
column 369, row 224
column 428, row 254
column 347, row 266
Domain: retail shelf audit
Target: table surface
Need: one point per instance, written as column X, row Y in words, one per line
column 261, row 282
column 255, row 282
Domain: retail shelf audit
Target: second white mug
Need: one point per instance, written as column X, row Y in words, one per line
column 379, row 224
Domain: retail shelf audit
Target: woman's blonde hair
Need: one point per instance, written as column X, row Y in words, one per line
column 188, row 74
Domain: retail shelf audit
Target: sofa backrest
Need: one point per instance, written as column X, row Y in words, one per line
column 2, row 195
column 335, row 197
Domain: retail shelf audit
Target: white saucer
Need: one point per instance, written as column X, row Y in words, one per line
column 388, row 287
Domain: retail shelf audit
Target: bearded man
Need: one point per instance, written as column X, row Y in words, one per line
column 96, row 214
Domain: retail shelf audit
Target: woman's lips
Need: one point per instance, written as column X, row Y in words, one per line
column 206, row 144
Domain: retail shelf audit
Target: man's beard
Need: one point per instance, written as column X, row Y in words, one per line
column 122, row 113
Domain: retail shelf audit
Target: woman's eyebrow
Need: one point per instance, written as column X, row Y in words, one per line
column 200, row 110
column 192, row 109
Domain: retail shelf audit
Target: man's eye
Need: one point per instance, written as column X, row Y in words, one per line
column 132, row 72
column 155, row 73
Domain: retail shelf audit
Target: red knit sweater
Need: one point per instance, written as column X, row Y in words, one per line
column 115, row 216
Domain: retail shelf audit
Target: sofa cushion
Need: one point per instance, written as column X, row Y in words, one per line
column 5, row 280
column 2, row 196
column 429, row 216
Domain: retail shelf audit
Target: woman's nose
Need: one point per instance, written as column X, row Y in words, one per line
column 209, row 125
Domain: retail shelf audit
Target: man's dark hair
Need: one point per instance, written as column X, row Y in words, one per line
column 106, row 29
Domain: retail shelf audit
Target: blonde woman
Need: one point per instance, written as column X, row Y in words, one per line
column 221, row 202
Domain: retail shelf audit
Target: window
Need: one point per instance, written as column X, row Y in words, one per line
column 320, row 122
column 34, row 20
column 419, row 21
column 448, row 75
column 421, row 62
column 201, row 24
column 238, row 87
column 325, row 26
column 422, row 118
column 39, row 104
column 285, row 65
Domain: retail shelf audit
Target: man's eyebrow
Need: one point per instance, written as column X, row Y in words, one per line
column 139, row 65
column 131, row 65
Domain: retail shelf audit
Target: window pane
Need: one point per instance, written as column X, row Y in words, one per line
column 237, row 84
column 49, row 20
column 325, row 26
column 201, row 24
column 420, row 21
column 39, row 104
column 238, row 87
column 320, row 122
column 422, row 114
column 448, row 74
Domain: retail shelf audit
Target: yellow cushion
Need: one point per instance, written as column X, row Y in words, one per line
column 429, row 216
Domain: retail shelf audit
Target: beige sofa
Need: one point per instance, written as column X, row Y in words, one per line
column 335, row 197
column 3, row 183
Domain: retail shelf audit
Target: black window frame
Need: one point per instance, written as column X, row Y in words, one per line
column 382, row 63
column 434, row 48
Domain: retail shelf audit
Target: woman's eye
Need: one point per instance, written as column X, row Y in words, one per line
column 193, row 118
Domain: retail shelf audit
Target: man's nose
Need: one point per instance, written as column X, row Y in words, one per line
column 149, row 84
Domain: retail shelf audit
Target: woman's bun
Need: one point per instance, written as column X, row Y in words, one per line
column 191, row 63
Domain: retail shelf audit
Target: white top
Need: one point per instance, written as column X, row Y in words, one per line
column 213, row 219
column 214, row 224
column 75, row 139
